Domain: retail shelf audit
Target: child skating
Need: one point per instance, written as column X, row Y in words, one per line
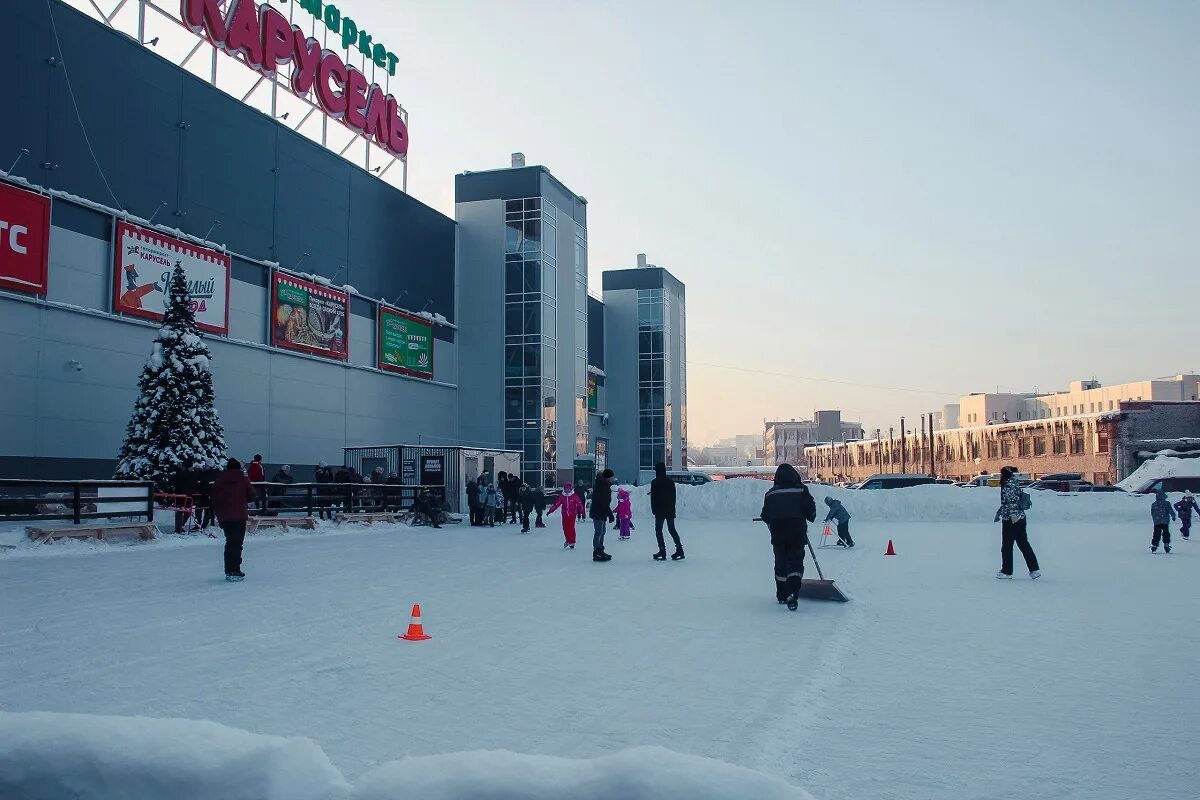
column 624, row 514
column 571, row 507
column 838, row 512
column 1161, row 514
column 491, row 503
column 1185, row 507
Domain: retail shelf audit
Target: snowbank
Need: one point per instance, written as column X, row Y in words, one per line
column 1158, row 468
column 741, row 499
column 46, row 756
column 643, row 773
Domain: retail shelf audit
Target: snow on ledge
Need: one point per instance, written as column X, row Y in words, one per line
column 643, row 773
column 49, row 756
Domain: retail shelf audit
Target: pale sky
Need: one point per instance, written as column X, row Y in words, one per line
column 937, row 197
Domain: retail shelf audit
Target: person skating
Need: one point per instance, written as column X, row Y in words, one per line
column 838, row 512
column 512, row 497
column 1185, row 507
column 601, row 513
column 624, row 513
column 1161, row 514
column 539, row 504
column 525, row 500
column 788, row 507
column 1014, row 502
column 662, row 506
column 571, row 505
column 231, row 493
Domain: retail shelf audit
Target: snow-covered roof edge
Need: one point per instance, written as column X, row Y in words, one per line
column 17, row 180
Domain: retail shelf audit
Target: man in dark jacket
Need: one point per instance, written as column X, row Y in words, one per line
column 324, row 474
column 525, row 500
column 787, row 510
column 473, row 500
column 662, row 505
column 601, row 513
column 203, row 489
column 231, row 493
column 513, row 499
column 539, row 504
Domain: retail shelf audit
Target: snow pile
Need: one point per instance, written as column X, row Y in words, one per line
column 1158, row 468
column 643, row 773
column 46, row 756
column 741, row 499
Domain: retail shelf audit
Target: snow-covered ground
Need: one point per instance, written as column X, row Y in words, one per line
column 936, row 682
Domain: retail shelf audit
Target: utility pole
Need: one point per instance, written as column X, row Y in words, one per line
column 903, row 448
column 932, row 444
column 891, row 450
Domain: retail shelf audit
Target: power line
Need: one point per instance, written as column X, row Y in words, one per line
column 75, row 105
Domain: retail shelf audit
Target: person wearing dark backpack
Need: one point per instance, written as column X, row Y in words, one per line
column 1014, row 502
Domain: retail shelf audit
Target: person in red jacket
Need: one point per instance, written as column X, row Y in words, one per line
column 255, row 470
column 231, row 493
column 571, row 507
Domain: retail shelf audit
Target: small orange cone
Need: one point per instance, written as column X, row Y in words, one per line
column 415, row 633
column 891, row 551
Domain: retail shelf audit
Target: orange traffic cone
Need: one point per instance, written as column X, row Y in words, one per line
column 891, row 551
column 415, row 633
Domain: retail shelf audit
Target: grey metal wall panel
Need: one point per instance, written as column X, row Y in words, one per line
column 470, row 187
column 81, row 219
column 362, row 341
column 81, row 266
column 395, row 247
column 644, row 278
column 312, row 209
column 220, row 167
column 114, row 80
column 247, row 312
column 481, row 334
column 621, row 385
column 226, row 170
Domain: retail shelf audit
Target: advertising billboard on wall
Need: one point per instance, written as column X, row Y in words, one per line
column 309, row 317
column 592, row 397
column 142, row 265
column 24, row 239
column 405, row 343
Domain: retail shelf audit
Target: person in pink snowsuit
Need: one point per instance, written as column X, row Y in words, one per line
column 624, row 513
column 572, row 508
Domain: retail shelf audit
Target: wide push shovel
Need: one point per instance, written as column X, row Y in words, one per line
column 822, row 589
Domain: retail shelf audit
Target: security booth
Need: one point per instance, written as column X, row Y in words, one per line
column 445, row 470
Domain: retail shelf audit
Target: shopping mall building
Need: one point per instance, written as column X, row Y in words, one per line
column 340, row 311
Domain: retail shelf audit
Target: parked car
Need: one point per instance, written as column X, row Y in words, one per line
column 1098, row 488
column 690, row 478
column 1171, row 485
column 895, row 481
column 1055, row 485
column 994, row 480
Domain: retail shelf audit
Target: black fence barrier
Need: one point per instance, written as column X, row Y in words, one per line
column 327, row 499
column 36, row 500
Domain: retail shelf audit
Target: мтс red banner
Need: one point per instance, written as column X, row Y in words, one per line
column 24, row 239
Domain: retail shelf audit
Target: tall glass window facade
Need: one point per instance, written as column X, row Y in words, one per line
column 653, row 382
column 581, row 328
column 530, row 348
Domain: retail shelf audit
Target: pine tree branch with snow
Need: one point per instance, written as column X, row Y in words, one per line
column 174, row 428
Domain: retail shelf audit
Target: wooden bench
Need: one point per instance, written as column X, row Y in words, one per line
column 307, row 523
column 366, row 518
column 144, row 530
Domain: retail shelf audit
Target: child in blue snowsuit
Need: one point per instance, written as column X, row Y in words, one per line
column 1162, row 514
column 838, row 512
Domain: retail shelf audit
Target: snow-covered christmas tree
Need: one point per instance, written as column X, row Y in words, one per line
column 174, row 427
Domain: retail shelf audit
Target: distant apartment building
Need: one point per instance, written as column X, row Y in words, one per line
column 1084, row 397
column 1104, row 433
column 784, row 440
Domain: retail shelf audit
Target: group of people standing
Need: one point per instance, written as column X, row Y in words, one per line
column 508, row 500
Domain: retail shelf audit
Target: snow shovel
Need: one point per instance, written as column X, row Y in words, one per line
column 817, row 589
column 820, row 589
